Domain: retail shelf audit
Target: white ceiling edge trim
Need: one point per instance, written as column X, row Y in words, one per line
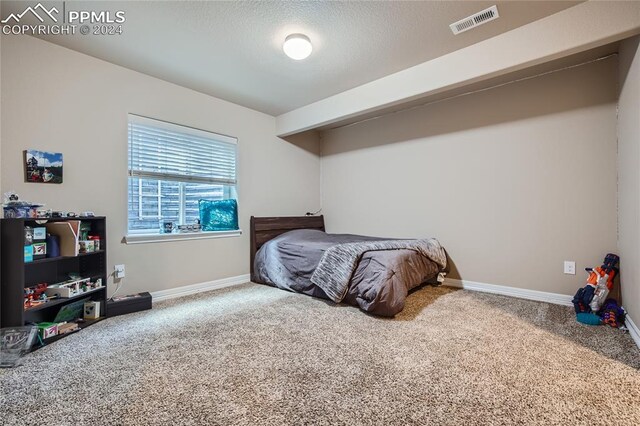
column 579, row 28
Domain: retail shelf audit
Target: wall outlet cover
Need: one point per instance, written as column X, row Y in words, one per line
column 569, row 267
column 119, row 271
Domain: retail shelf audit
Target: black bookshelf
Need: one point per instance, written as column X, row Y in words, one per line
column 16, row 274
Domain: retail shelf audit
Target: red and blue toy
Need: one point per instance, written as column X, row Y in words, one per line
column 590, row 302
column 612, row 314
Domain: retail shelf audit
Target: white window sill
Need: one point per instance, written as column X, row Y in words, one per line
column 160, row 238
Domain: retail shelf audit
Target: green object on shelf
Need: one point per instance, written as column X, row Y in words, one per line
column 85, row 228
column 47, row 329
column 71, row 311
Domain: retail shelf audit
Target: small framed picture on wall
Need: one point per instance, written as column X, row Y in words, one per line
column 42, row 166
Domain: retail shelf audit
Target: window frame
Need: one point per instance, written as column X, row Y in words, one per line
column 230, row 187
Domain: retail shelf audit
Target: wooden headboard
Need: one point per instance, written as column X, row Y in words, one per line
column 264, row 229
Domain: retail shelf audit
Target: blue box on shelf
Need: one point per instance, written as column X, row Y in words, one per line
column 28, row 253
column 39, row 233
column 20, row 211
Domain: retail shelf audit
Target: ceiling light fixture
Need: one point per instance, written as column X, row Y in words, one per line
column 297, row 46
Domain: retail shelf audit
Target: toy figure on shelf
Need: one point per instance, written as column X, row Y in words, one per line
column 28, row 298
column 13, row 207
column 34, row 296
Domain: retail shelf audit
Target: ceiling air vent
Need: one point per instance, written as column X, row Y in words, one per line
column 473, row 21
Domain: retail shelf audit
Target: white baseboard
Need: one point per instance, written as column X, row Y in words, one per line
column 540, row 296
column 198, row 288
column 633, row 330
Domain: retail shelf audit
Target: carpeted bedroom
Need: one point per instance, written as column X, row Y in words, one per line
column 312, row 212
column 253, row 354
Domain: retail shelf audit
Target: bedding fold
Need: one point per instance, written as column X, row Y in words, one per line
column 338, row 263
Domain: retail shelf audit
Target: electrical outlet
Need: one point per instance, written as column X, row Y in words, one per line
column 569, row 267
column 119, row 271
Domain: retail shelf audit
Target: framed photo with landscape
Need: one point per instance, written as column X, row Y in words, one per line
column 42, row 166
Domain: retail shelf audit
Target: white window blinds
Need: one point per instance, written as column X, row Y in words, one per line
column 169, row 152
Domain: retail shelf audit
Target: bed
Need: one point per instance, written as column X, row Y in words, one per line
column 372, row 273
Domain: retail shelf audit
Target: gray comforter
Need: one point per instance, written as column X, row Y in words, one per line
column 379, row 281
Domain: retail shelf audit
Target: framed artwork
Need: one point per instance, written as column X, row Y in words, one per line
column 42, row 167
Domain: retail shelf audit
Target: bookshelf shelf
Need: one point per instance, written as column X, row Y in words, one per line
column 61, row 301
column 81, row 326
column 16, row 274
column 59, row 258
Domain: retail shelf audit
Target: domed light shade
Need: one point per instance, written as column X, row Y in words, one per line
column 297, row 46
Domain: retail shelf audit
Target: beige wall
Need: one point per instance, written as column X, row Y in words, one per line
column 513, row 180
column 629, row 176
column 59, row 100
column 506, row 178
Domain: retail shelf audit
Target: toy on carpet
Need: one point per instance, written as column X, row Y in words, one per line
column 582, row 299
column 591, row 298
column 588, row 318
column 612, row 314
column 602, row 277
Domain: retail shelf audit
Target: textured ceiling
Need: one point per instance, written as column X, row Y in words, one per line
column 232, row 50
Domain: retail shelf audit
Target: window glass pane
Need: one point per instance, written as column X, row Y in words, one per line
column 149, row 201
column 143, row 209
column 171, row 168
column 133, row 205
column 193, row 192
column 170, row 199
column 147, row 210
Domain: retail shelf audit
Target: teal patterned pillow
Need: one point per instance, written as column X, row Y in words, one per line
column 220, row 215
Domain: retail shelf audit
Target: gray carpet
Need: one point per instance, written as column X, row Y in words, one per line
column 254, row 355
